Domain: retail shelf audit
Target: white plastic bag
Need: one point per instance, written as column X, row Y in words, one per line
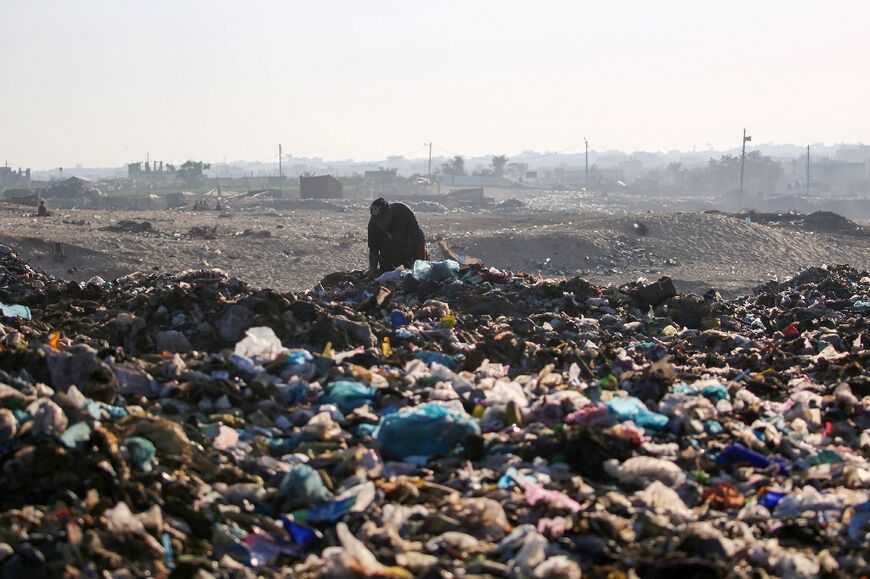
column 261, row 343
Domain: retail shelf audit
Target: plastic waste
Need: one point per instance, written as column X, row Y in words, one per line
column 635, row 410
column 353, row 558
column 511, row 444
column 452, row 362
column 303, row 486
column 434, row 270
column 645, row 469
column 260, row 343
column 226, row 438
column 535, row 494
column 770, row 498
column 423, row 431
column 331, row 511
column 398, row 320
column 739, row 454
column 348, row 395
column 140, row 452
column 120, row 520
column 15, row 311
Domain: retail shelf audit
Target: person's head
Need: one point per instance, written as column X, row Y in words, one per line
column 381, row 214
column 42, row 202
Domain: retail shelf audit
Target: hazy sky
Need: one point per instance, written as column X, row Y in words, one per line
column 102, row 82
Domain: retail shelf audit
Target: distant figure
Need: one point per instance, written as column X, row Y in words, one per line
column 218, row 206
column 395, row 237
column 42, row 211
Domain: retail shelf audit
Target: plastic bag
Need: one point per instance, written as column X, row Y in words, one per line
column 423, row 431
column 140, row 452
column 535, row 494
column 302, row 485
column 435, row 270
column 353, row 558
column 15, row 311
column 260, row 343
column 634, row 410
column 348, row 395
column 641, row 469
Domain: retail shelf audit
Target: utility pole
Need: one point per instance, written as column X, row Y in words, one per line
column 429, row 172
column 742, row 163
column 280, row 163
column 587, row 163
column 808, row 169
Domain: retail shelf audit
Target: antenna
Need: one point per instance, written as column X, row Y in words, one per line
column 587, row 163
column 808, row 169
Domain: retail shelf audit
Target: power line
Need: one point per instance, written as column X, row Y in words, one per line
column 445, row 150
column 418, row 149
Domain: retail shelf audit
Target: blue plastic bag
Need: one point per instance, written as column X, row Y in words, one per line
column 435, row 270
column 331, row 511
column 15, row 311
column 348, row 395
column 634, row 410
column 305, row 486
column 451, row 362
column 423, row 431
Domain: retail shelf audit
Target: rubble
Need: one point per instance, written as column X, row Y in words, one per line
column 456, row 420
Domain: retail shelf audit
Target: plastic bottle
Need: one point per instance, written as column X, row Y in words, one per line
column 769, row 499
column 739, row 454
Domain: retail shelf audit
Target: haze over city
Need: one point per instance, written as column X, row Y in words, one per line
column 99, row 82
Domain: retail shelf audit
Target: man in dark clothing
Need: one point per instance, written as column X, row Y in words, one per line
column 42, row 211
column 395, row 237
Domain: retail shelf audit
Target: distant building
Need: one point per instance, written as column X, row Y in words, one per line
column 320, row 187
column 380, row 177
column 380, row 183
column 837, row 176
column 11, row 179
column 473, row 181
column 856, row 154
column 152, row 169
column 631, row 168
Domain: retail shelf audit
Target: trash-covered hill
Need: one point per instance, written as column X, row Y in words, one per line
column 451, row 420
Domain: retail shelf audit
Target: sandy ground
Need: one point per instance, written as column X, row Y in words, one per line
column 697, row 250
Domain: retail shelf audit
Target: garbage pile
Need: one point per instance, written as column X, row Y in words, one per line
column 445, row 421
column 71, row 188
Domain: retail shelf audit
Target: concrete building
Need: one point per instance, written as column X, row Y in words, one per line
column 320, row 187
column 12, row 179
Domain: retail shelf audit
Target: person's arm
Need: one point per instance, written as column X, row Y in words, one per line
column 374, row 253
column 373, row 263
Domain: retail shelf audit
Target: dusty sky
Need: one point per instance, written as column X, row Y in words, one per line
column 102, row 82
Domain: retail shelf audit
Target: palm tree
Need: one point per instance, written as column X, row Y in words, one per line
column 498, row 164
column 456, row 166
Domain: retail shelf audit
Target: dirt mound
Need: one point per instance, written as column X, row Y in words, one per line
column 131, row 226
column 830, row 222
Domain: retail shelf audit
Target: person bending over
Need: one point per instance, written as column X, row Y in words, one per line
column 395, row 237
